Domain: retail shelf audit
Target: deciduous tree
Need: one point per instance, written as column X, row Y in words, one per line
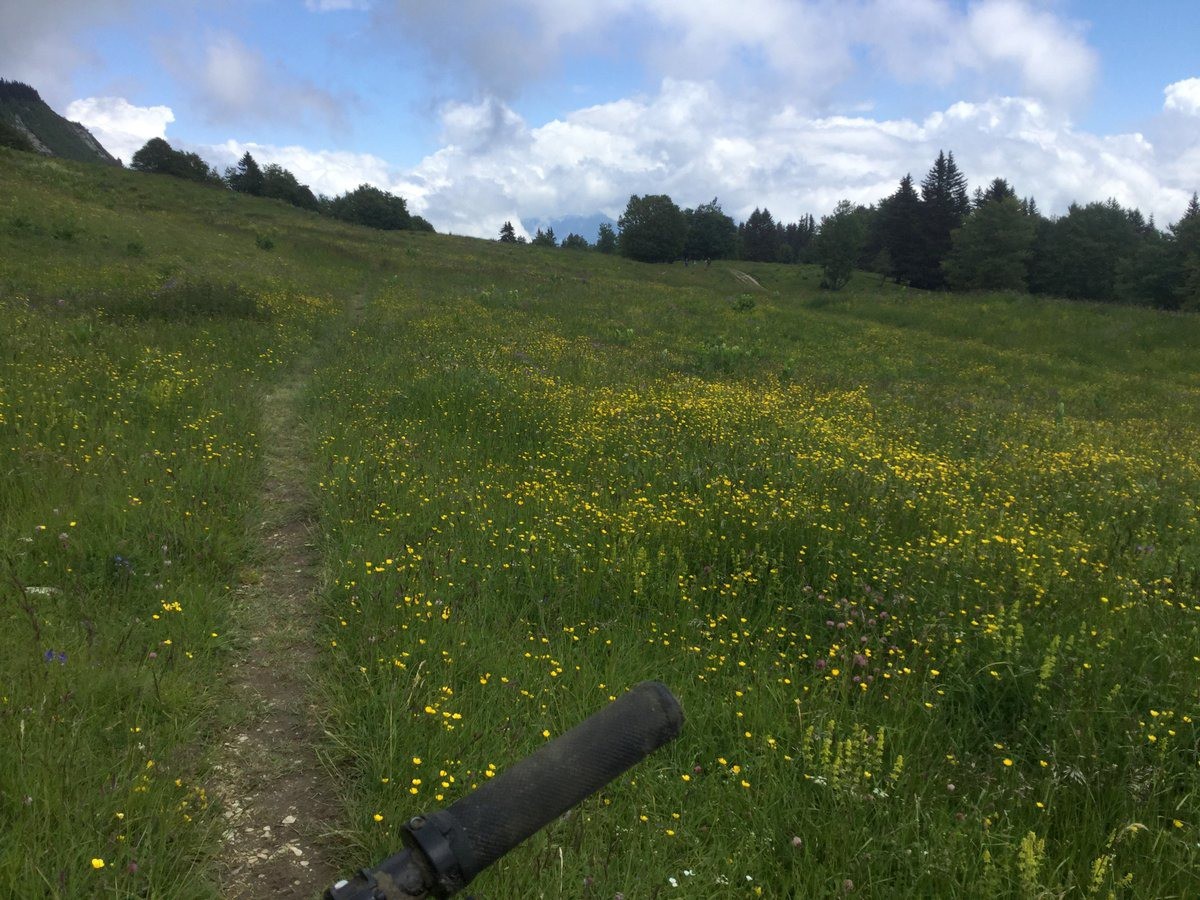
column 991, row 250
column 653, row 229
column 710, row 233
column 838, row 244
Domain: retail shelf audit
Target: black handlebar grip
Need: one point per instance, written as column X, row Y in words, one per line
column 513, row 806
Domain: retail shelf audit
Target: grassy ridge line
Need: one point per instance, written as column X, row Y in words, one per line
column 548, row 483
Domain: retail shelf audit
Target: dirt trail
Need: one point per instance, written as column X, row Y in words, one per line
column 277, row 801
column 746, row 279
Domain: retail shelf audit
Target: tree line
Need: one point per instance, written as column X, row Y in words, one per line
column 935, row 235
column 365, row 205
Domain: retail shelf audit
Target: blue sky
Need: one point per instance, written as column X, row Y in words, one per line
column 482, row 110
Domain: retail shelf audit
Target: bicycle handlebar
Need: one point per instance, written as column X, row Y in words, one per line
column 448, row 848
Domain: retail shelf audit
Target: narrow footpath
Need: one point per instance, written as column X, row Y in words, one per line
column 276, row 800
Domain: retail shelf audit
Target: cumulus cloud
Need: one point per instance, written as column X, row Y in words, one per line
column 808, row 45
column 329, row 172
column 118, row 125
column 1183, row 97
column 690, row 142
column 234, row 83
column 1050, row 56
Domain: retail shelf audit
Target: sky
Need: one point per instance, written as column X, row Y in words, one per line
column 482, row 111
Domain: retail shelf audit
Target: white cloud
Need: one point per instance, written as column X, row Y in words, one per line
column 325, row 171
column 118, row 125
column 1051, row 58
column 807, row 46
column 691, row 142
column 1183, row 96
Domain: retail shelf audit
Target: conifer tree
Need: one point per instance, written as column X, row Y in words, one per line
column 944, row 207
column 246, row 177
column 760, row 241
column 508, row 234
column 901, row 234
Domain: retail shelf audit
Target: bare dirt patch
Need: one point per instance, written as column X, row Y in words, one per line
column 277, row 803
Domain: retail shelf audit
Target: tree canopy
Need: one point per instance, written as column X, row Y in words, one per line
column 158, row 157
column 373, row 207
column 991, row 249
column 710, row 233
column 760, row 240
column 653, row 229
column 246, row 177
column 606, row 240
column 838, row 243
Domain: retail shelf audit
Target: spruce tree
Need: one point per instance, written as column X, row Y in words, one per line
column 508, row 234
column 900, row 226
column 246, row 177
column 944, row 207
column 760, row 241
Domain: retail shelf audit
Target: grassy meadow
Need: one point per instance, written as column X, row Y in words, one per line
column 922, row 569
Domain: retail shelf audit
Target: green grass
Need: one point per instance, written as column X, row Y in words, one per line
column 922, row 569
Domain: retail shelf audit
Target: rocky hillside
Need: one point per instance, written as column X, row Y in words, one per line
column 27, row 123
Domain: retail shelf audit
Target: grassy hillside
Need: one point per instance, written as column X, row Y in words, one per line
column 922, row 569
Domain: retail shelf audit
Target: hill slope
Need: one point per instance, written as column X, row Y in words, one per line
column 922, row 568
column 23, row 112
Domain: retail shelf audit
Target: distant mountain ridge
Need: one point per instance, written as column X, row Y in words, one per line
column 25, row 118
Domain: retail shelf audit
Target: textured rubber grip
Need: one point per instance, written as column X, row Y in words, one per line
column 505, row 811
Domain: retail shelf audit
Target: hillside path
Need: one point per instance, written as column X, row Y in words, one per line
column 746, row 279
column 276, row 798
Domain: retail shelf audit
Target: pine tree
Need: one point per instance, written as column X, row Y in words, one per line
column 544, row 238
column 999, row 189
column 508, row 234
column 760, row 242
column 901, row 234
column 944, row 207
column 246, row 177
